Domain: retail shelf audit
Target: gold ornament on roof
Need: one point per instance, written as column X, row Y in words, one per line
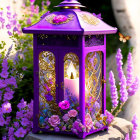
column 90, row 19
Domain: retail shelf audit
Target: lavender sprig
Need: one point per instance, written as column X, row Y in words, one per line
column 135, row 127
column 113, row 91
column 123, row 91
column 119, row 63
column 129, row 70
column 134, row 87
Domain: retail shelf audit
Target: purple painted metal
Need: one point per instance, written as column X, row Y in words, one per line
column 76, row 26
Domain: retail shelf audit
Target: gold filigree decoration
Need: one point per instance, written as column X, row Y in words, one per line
column 90, row 19
column 50, row 18
column 93, row 75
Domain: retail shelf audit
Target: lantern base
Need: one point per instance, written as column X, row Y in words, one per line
column 81, row 135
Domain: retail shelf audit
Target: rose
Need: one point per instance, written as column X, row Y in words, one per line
column 66, row 117
column 59, row 19
column 64, row 105
column 72, row 113
column 54, row 120
column 88, row 122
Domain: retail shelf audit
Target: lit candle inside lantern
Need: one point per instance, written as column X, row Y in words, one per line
column 72, row 82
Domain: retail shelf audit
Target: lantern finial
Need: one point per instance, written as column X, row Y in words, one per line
column 70, row 4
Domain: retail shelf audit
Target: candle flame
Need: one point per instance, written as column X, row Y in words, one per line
column 71, row 70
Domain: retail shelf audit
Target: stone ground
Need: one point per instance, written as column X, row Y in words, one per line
column 116, row 132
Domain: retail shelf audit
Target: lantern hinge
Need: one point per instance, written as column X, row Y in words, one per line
column 103, row 80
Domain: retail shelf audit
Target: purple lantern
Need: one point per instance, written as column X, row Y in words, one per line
column 69, row 71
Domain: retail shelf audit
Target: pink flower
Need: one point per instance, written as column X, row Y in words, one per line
column 66, row 117
column 6, row 107
column 20, row 133
column 32, row 1
column 72, row 113
column 88, row 122
column 59, row 19
column 54, row 120
column 64, row 105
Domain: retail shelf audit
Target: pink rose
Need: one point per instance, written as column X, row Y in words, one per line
column 59, row 19
column 54, row 120
column 66, row 117
column 64, row 105
column 72, row 113
column 88, row 122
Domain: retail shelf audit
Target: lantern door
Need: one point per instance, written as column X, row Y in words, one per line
column 48, row 85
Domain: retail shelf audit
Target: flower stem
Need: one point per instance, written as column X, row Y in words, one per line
column 119, row 110
column 112, row 110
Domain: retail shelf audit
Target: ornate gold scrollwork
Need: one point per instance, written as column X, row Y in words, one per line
column 62, row 85
column 103, row 80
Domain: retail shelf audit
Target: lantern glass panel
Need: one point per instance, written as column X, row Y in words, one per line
column 71, row 78
column 94, row 40
column 47, row 87
column 93, row 83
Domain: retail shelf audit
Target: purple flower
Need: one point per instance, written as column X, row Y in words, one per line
column 24, row 68
column 56, row 129
column 16, row 124
column 98, row 125
column 119, row 63
column 6, row 107
column 113, row 90
column 15, row 29
column 24, row 121
column 123, row 91
column 4, row 138
column 66, row 117
column 59, row 19
column 127, row 137
column 20, row 133
column 63, row 128
column 8, row 8
column 3, row 83
column 134, row 87
column 8, row 95
column 48, row 3
column 10, row 131
column 109, row 116
column 2, row 120
column 29, row 21
column 77, row 127
column 8, row 26
column 8, row 119
column 49, row 97
column 32, row 1
column 0, row 94
column 64, row 105
column 4, row 74
column 19, row 114
column 22, row 104
column 135, row 127
column 9, row 33
column 11, row 81
column 129, row 70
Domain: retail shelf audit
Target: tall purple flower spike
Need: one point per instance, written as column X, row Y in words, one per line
column 129, row 70
column 135, row 127
column 123, row 91
column 119, row 63
column 113, row 90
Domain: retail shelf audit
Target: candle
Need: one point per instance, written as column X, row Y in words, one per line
column 71, row 83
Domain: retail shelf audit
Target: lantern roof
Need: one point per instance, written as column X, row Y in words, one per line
column 70, row 20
